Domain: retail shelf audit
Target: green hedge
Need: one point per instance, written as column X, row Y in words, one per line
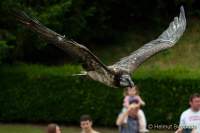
column 45, row 94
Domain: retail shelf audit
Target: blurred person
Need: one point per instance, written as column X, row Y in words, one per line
column 131, row 94
column 86, row 124
column 190, row 119
column 53, row 128
column 131, row 114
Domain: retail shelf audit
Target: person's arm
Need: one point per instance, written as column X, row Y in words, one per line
column 194, row 131
column 123, row 115
column 121, row 118
column 181, row 124
column 180, row 130
column 141, row 101
column 126, row 101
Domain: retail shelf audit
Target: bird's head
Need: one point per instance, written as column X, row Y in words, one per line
column 125, row 81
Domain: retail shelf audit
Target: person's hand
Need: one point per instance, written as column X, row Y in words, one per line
column 194, row 131
column 133, row 109
column 133, row 106
column 179, row 130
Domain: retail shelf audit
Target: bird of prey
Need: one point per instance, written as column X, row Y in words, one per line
column 118, row 74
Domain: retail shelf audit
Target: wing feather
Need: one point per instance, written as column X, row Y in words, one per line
column 89, row 60
column 166, row 40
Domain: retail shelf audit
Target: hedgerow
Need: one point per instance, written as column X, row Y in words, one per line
column 33, row 93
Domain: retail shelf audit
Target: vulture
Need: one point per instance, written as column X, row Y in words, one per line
column 115, row 75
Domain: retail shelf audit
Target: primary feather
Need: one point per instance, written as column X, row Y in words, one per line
column 166, row 40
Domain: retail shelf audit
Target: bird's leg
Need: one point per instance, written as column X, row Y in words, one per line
column 83, row 73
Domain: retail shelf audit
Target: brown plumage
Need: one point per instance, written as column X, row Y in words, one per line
column 118, row 74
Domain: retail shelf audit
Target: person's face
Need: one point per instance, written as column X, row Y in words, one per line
column 195, row 104
column 58, row 130
column 133, row 111
column 86, row 124
column 131, row 91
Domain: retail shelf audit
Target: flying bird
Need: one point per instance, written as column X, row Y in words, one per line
column 118, row 74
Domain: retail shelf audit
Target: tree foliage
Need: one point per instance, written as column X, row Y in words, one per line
column 87, row 21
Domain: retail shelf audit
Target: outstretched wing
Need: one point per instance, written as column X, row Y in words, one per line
column 166, row 40
column 89, row 60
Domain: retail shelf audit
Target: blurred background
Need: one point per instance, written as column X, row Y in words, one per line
column 36, row 85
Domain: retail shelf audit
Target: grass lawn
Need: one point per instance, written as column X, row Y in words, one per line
column 21, row 128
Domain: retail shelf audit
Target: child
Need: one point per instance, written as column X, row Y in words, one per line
column 131, row 95
column 53, row 128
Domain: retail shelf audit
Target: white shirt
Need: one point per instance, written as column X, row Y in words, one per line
column 190, row 119
column 92, row 131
